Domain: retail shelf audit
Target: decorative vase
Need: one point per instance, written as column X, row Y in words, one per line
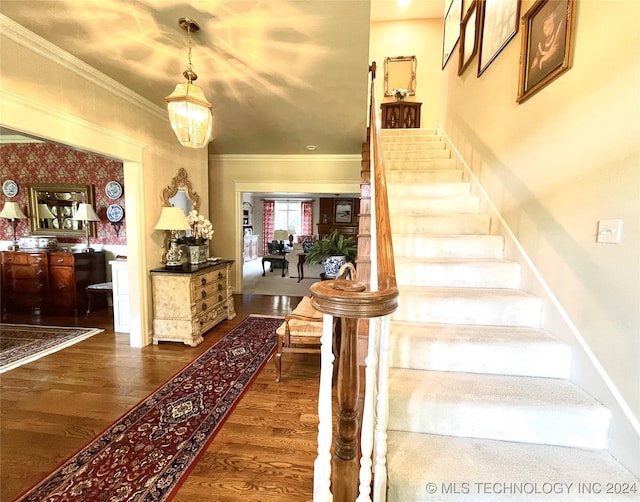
column 332, row 265
column 194, row 254
column 204, row 253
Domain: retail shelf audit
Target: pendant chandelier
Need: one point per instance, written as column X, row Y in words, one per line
column 189, row 110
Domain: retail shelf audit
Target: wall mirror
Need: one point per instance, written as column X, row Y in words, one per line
column 400, row 72
column 52, row 207
column 179, row 193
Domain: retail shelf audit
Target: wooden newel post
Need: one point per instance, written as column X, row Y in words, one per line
column 345, row 460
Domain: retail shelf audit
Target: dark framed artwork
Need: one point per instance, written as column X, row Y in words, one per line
column 343, row 211
column 498, row 25
column 547, row 45
column 468, row 37
column 451, row 30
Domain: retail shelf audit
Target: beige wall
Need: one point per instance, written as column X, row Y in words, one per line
column 59, row 91
column 561, row 161
column 421, row 38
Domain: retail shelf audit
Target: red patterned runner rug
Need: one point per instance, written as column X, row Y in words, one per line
column 145, row 454
column 23, row 343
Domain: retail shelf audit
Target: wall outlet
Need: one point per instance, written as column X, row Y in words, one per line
column 609, row 231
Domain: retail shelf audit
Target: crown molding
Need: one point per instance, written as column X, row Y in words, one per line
column 20, row 35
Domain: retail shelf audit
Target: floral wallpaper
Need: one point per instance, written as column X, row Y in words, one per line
column 27, row 163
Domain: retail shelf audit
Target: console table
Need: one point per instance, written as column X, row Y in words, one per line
column 187, row 303
column 275, row 258
column 400, row 115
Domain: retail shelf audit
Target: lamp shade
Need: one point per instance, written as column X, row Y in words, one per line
column 85, row 212
column 172, row 218
column 12, row 211
column 190, row 115
column 44, row 213
column 281, row 235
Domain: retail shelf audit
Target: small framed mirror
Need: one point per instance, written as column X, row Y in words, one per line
column 400, row 73
column 52, row 207
column 179, row 193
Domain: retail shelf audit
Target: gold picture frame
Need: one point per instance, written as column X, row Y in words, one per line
column 547, row 45
column 468, row 37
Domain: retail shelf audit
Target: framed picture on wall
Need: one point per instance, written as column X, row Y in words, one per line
column 498, row 25
column 547, row 45
column 343, row 211
column 468, row 37
column 451, row 31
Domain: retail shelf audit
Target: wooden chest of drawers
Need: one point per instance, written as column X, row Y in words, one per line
column 186, row 304
column 49, row 281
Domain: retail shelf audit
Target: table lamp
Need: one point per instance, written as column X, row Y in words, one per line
column 12, row 212
column 280, row 236
column 174, row 220
column 85, row 213
column 45, row 214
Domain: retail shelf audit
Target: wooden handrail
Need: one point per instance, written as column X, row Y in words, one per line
column 365, row 297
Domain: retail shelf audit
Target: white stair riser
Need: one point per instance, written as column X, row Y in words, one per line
column 416, row 155
column 455, row 411
column 443, row 246
column 490, row 350
column 425, row 176
column 459, row 224
column 463, row 308
column 388, row 146
column 434, row 205
column 412, row 191
column 419, row 165
column 474, row 274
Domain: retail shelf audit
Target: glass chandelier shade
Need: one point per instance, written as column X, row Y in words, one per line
column 189, row 110
column 190, row 115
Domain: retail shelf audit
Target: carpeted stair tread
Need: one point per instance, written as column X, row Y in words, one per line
column 413, row 155
column 443, row 224
column 458, row 272
column 437, row 189
column 424, row 175
column 431, row 144
column 425, row 164
column 501, row 307
column 452, row 246
column 414, row 460
column 508, row 408
column 400, row 208
column 503, row 350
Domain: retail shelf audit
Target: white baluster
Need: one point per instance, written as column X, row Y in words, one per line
column 322, row 464
column 382, row 415
column 368, row 415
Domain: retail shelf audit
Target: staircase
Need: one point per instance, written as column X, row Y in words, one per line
column 481, row 406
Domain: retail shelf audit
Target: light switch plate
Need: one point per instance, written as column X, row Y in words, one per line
column 609, row 231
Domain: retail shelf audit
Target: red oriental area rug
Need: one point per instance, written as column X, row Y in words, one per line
column 23, row 343
column 145, row 454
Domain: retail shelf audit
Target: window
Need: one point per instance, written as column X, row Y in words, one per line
column 288, row 214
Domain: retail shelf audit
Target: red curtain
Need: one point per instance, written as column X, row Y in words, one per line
column 268, row 223
column 307, row 218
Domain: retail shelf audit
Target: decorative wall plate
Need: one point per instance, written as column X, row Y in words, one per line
column 115, row 213
column 113, row 190
column 10, row 188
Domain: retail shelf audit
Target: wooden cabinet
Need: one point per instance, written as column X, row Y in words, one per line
column 400, row 115
column 328, row 207
column 250, row 251
column 49, row 282
column 188, row 303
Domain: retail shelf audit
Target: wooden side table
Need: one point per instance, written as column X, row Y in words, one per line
column 301, row 259
column 400, row 115
column 271, row 258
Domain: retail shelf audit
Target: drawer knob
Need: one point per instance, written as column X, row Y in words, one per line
column 204, row 294
column 204, row 306
column 203, row 281
column 219, row 298
column 219, row 287
column 219, row 275
column 60, row 260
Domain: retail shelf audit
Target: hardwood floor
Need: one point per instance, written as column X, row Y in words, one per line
column 52, row 407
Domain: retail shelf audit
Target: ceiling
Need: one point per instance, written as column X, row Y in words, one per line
column 280, row 74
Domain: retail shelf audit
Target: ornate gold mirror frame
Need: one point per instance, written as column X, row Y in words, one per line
column 400, row 73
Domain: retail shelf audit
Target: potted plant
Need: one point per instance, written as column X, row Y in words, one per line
column 332, row 252
column 201, row 232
